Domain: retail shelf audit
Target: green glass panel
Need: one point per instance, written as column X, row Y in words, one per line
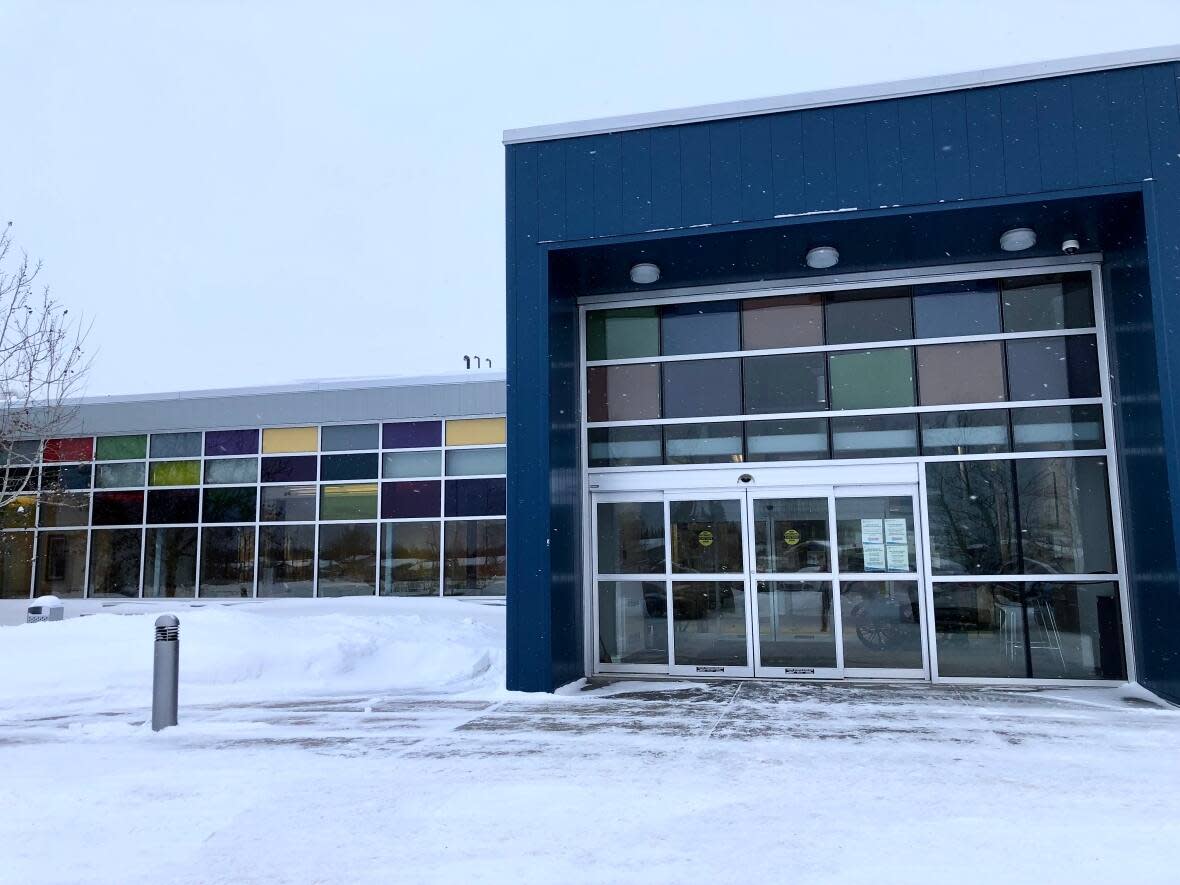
column 353, row 501
column 121, row 448
column 872, row 379
column 175, row 473
column 622, row 334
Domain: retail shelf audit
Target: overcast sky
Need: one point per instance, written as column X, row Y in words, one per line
column 258, row 192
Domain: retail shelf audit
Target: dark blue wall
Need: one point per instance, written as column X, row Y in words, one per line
column 914, row 179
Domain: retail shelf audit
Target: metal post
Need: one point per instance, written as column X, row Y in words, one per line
column 166, row 672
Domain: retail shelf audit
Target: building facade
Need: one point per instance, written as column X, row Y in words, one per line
column 866, row 384
column 393, row 487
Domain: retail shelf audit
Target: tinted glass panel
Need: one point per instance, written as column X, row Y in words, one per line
column 1074, row 631
column 279, row 440
column 342, row 467
column 78, row 448
column 980, row 630
column 1035, row 304
column 349, row 438
column 1058, row 428
column 789, row 321
column 120, row 448
column 70, row 508
column 796, row 626
column 231, row 442
column 170, row 562
column 1053, row 368
column 698, row 388
column 174, row 473
column 622, row 334
column 16, row 565
column 288, row 503
column 971, row 506
column 354, row 501
column 947, row 310
column 881, row 624
column 624, row 446
column 623, row 393
column 173, row 506
column 411, row 464
column 114, row 562
column 293, row 468
column 703, row 443
column 117, row 508
column 800, row 439
column 872, row 379
column 630, row 537
column 875, row 436
column 19, row 511
column 1065, row 521
column 113, row 476
column 227, row 561
column 229, row 505
column 700, row 327
column 231, row 470
column 475, row 558
column 410, row 500
column 410, row 558
column 24, row 451
column 475, row 497
column 175, row 445
column 706, row 536
column 412, row 434
column 286, row 560
column 961, row 373
column 348, row 560
column 61, row 564
column 66, row 478
column 791, row 535
column 877, row 315
column 710, row 623
column 964, row 433
column 477, row 462
column 632, row 622
column 795, row 382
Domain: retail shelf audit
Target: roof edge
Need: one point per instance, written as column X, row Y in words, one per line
column 1036, row 70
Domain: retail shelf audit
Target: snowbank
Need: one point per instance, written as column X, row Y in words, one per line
column 276, row 649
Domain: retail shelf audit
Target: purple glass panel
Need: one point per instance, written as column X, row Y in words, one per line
column 475, row 497
column 405, row 500
column 231, row 442
column 411, row 435
column 294, row 468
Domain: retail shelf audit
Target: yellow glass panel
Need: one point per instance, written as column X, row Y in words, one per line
column 276, row 440
column 18, row 513
column 476, row 432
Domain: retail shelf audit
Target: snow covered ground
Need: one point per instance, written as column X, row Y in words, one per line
column 371, row 741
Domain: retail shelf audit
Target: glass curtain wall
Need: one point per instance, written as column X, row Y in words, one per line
column 397, row 508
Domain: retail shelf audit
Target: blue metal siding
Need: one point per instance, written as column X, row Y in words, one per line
column 1021, row 140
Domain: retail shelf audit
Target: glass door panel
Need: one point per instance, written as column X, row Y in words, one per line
column 709, row 619
column 876, row 534
column 630, row 537
column 791, row 535
column 796, row 625
column 882, row 625
column 707, row 537
column 632, row 622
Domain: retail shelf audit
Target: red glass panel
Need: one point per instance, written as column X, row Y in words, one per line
column 77, row 448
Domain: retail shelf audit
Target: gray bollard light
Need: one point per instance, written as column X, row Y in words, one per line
column 166, row 672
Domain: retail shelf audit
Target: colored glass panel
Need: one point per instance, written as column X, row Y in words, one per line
column 411, row 434
column 872, row 379
column 288, row 503
column 173, row 505
column 411, row 464
column 701, row 388
column 410, row 500
column 795, row 382
column 1053, row 368
column 352, row 501
column 229, row 504
column 18, row 512
column 349, row 437
column 950, row 310
column 626, row 333
column 226, row 471
column 344, row 467
column 297, row 468
column 788, row 321
column 116, row 476
column 477, row 462
column 875, row 315
column 475, row 497
column 700, row 327
column 969, row 372
column 174, row 473
column 73, row 477
column 62, row 509
column 117, row 508
column 175, row 445
column 120, row 448
column 477, row 432
column 1041, row 303
column 231, row 442
column 77, row 448
column 623, row 393
column 16, row 565
column 279, row 440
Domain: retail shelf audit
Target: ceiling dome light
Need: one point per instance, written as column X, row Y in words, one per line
column 645, row 273
column 822, row 256
column 1018, row 239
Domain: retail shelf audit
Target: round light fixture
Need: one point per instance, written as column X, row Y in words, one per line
column 822, row 256
column 1018, row 239
column 645, row 273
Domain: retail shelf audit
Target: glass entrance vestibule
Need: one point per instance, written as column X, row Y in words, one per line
column 897, row 479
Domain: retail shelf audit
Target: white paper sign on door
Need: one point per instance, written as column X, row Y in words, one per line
column 874, row 557
column 897, row 557
column 872, row 531
column 895, row 531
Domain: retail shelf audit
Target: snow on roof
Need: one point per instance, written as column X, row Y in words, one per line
column 848, row 94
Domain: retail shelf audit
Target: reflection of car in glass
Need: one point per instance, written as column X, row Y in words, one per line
column 883, row 616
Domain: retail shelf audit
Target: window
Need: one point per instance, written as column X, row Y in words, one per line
column 411, row 435
column 286, row 560
column 61, row 563
column 700, row 388
column 875, row 436
column 228, row 471
column 622, row 334
column 410, row 465
column 173, row 506
column 56, row 510
column 630, row 537
column 951, row 310
column 62, row 478
column 624, row 446
column 170, row 562
column 872, row 379
column 961, row 373
column 475, row 557
column 295, row 468
column 1053, row 368
column 174, row 473
column 348, row 560
column 784, row 383
column 229, row 504
column 16, row 565
column 475, row 497
column 288, row 503
column 231, row 442
column 699, row 327
column 875, row 315
column 344, row 467
column 410, row 558
column 623, row 393
column 411, row 500
column 349, row 438
column 80, row 448
column 788, row 321
column 980, row 432
column 703, row 443
column 115, row 476
column 799, row 439
column 971, row 507
column 353, row 501
column 477, row 432
column 114, row 562
column 1058, row 428
column 477, row 462
column 1037, row 304
column 280, row 440
column 227, row 561
column 117, row 508
column 175, row 445
column 120, row 448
